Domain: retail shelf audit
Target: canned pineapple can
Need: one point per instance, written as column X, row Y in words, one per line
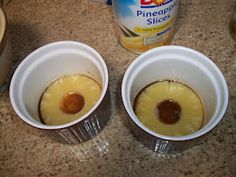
column 145, row 24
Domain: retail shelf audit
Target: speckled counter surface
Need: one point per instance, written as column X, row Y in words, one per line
column 25, row 151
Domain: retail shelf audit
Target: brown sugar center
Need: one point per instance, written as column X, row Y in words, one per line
column 169, row 111
column 72, row 103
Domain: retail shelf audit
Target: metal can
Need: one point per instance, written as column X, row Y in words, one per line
column 145, row 24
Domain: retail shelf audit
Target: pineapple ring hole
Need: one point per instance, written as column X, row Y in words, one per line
column 169, row 111
column 72, row 103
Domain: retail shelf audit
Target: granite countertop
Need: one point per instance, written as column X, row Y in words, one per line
column 25, row 151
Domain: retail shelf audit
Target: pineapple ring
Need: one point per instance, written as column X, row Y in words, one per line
column 68, row 98
column 191, row 115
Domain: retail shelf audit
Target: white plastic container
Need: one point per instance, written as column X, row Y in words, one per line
column 145, row 24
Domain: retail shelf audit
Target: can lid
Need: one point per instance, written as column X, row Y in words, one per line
column 3, row 25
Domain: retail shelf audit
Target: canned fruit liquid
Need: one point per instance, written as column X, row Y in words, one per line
column 145, row 24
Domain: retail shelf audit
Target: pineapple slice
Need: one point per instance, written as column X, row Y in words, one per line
column 68, row 98
column 169, row 108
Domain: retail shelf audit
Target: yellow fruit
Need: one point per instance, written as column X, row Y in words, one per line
column 187, row 105
column 68, row 98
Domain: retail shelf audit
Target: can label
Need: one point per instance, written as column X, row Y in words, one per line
column 144, row 24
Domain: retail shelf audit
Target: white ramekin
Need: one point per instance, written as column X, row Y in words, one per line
column 40, row 68
column 186, row 66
